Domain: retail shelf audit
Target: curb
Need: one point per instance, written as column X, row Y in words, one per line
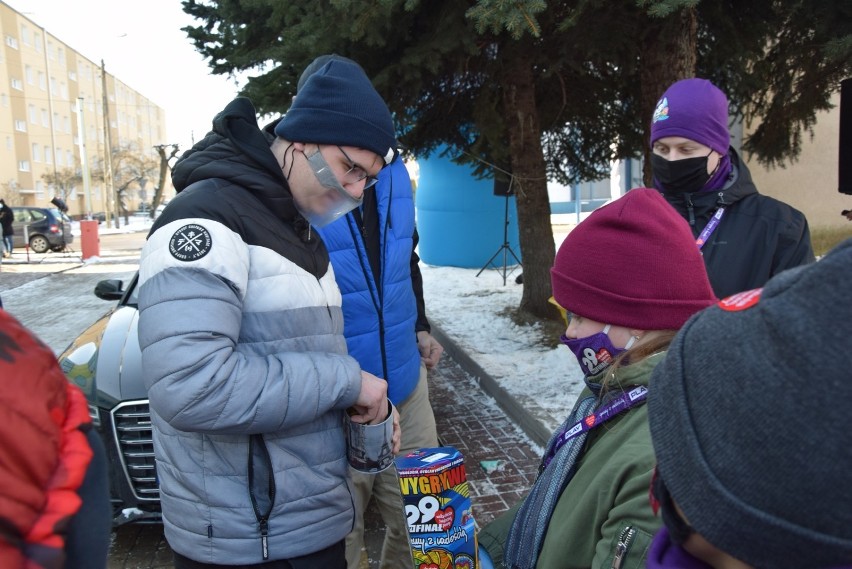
column 514, row 410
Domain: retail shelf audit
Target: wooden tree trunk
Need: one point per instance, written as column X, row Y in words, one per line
column 529, row 185
column 667, row 53
column 165, row 159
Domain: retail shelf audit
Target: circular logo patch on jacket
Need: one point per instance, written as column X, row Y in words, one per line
column 190, row 243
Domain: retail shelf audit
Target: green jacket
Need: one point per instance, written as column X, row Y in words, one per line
column 606, row 500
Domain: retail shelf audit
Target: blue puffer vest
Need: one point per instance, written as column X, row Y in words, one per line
column 379, row 318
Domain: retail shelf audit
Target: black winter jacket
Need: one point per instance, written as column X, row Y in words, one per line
column 757, row 237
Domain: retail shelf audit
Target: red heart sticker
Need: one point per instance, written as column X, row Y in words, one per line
column 590, row 420
column 741, row 300
column 445, row 517
column 603, row 355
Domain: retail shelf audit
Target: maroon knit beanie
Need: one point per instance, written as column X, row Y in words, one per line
column 694, row 109
column 632, row 263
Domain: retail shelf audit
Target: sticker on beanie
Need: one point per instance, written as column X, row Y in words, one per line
column 741, row 300
column 661, row 113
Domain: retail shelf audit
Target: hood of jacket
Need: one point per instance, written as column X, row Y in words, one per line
column 236, row 150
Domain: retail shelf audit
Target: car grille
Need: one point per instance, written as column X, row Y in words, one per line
column 131, row 422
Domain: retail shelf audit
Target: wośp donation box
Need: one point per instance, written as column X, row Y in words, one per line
column 441, row 527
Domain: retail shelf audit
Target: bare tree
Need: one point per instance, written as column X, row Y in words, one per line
column 131, row 169
column 167, row 153
column 11, row 195
column 63, row 181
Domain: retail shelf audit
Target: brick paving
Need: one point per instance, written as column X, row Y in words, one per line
column 468, row 420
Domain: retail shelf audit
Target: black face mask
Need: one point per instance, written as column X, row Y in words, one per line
column 680, row 176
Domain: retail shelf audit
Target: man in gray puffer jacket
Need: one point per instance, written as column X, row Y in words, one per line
column 241, row 331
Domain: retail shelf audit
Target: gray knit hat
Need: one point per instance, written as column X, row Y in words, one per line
column 751, row 423
column 338, row 105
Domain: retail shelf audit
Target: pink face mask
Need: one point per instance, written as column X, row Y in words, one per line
column 594, row 352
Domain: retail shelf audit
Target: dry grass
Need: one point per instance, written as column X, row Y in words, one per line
column 824, row 238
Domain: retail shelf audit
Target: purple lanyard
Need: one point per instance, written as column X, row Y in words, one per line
column 621, row 403
column 710, row 228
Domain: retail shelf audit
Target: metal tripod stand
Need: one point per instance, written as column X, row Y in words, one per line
column 505, row 248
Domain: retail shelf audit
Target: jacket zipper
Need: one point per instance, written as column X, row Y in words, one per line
column 623, row 546
column 689, row 210
column 262, row 517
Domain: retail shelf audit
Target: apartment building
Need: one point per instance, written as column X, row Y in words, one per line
column 53, row 114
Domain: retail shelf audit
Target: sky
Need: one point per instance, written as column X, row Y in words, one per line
column 142, row 45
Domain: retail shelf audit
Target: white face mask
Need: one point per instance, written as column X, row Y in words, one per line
column 320, row 209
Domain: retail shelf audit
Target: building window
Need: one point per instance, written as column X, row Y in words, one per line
column 12, row 42
column 20, row 126
column 29, row 75
column 16, row 84
column 33, row 114
column 25, row 35
column 39, row 190
column 48, row 155
column 45, row 118
column 36, row 153
column 59, row 157
column 66, row 121
column 69, row 158
column 72, row 76
column 42, row 81
column 38, row 43
column 24, row 165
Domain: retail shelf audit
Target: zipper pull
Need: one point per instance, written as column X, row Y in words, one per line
column 264, row 537
column 689, row 210
column 623, row 546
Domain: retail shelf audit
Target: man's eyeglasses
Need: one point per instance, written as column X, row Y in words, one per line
column 356, row 173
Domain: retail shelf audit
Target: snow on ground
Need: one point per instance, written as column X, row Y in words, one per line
column 472, row 311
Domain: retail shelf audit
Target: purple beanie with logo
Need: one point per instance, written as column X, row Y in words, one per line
column 694, row 109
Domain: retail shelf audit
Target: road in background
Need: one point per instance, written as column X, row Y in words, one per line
column 52, row 293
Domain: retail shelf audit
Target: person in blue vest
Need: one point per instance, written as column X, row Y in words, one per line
column 372, row 251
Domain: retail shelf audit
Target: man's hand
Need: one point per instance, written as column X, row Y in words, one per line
column 372, row 403
column 430, row 349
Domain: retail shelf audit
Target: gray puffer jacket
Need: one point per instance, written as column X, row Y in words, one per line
column 241, row 331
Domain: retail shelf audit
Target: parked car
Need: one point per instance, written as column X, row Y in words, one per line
column 46, row 228
column 105, row 362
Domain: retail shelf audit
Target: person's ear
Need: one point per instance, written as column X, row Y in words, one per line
column 638, row 334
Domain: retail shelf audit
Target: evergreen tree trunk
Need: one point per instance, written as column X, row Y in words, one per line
column 529, row 185
column 668, row 53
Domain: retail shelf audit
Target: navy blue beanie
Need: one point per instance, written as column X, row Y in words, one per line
column 338, row 105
